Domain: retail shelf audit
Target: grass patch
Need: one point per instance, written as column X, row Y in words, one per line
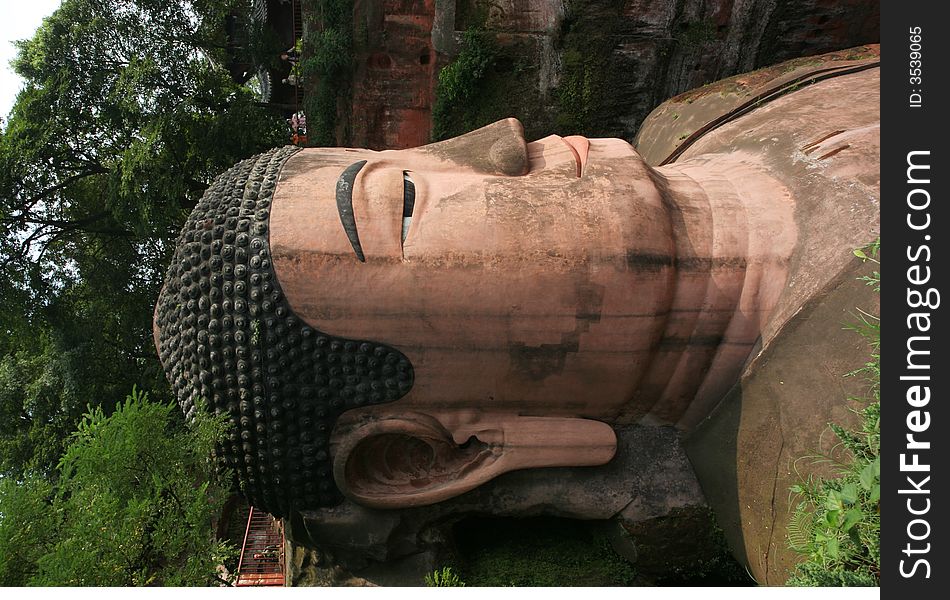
column 836, row 525
column 444, row 577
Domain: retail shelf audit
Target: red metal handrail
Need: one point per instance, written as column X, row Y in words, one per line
column 262, row 553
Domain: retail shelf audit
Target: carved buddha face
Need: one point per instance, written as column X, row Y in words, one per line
column 403, row 326
column 526, row 283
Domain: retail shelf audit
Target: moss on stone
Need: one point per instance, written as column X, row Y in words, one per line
column 540, row 551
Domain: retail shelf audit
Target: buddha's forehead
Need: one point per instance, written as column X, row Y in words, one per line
column 336, row 157
column 496, row 149
column 331, row 161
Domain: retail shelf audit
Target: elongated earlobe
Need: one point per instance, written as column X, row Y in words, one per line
column 415, row 459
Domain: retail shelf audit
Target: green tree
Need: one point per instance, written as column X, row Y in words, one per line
column 133, row 505
column 27, row 527
column 39, row 408
column 126, row 116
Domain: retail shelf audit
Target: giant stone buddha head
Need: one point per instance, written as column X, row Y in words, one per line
column 403, row 326
column 400, row 329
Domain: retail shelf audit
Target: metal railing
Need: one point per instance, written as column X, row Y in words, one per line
column 296, row 16
column 262, row 553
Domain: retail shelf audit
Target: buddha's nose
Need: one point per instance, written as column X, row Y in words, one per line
column 496, row 149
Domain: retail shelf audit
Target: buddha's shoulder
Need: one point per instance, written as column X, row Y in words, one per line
column 692, row 118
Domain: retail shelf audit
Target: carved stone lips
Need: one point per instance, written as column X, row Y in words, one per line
column 580, row 146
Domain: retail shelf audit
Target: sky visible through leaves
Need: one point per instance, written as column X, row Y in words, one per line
column 20, row 20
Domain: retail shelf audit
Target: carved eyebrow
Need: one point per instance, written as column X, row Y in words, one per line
column 344, row 204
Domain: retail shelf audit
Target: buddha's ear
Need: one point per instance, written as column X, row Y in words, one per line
column 415, row 459
column 496, row 149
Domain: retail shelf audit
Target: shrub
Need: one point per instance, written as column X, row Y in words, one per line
column 132, row 506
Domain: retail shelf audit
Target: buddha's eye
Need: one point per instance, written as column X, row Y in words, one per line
column 408, row 201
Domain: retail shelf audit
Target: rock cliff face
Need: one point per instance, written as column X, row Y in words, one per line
column 598, row 66
column 714, row 39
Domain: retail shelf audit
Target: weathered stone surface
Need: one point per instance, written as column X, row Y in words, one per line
column 751, row 450
column 521, row 16
column 306, row 567
column 792, row 385
column 547, row 293
column 675, row 122
column 396, row 69
column 685, row 544
column 823, row 142
column 664, row 48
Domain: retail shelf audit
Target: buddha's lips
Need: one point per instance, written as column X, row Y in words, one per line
column 580, row 147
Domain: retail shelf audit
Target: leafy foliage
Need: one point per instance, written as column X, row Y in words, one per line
column 133, row 505
column 444, row 578
column 459, row 85
column 815, row 575
column 27, row 527
column 126, row 116
column 326, row 67
column 836, row 525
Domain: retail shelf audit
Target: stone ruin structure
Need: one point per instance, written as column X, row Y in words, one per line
column 490, row 325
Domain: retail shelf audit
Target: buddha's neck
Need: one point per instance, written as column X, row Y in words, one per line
column 733, row 230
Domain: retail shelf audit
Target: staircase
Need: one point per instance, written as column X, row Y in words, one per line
column 297, row 17
column 262, row 553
